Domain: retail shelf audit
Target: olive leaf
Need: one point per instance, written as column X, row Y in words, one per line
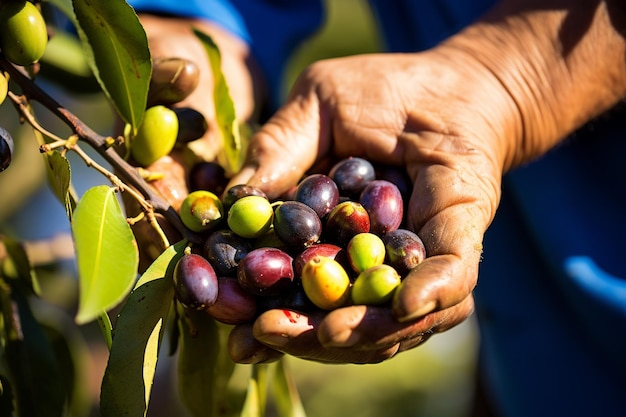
column 234, row 149
column 116, row 48
column 137, row 338
column 204, row 367
column 59, row 179
column 33, row 369
column 17, row 265
column 106, row 252
column 285, row 392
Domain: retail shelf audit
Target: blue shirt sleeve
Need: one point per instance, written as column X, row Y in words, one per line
column 272, row 28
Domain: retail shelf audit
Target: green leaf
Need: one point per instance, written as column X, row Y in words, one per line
column 234, row 146
column 285, row 392
column 33, row 369
column 116, row 48
column 137, row 339
column 59, row 178
column 256, row 396
column 17, row 265
column 106, row 253
column 204, row 367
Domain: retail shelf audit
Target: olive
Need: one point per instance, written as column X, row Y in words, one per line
column 156, row 135
column 6, row 149
column 23, row 32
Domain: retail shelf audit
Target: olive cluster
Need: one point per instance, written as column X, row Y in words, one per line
column 335, row 239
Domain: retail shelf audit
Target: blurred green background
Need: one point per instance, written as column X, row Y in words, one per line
column 435, row 379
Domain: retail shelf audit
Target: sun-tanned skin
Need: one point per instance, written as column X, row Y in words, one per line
column 496, row 95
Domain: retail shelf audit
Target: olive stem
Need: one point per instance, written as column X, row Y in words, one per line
column 19, row 102
column 99, row 143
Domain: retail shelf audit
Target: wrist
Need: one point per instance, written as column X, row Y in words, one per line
column 558, row 67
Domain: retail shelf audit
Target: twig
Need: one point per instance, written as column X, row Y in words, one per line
column 127, row 173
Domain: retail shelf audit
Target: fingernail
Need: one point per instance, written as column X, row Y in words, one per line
column 273, row 339
column 346, row 338
column 417, row 313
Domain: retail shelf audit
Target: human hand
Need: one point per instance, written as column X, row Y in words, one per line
column 172, row 38
column 417, row 112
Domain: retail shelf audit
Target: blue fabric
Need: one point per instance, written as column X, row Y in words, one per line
column 551, row 297
column 272, row 28
column 409, row 25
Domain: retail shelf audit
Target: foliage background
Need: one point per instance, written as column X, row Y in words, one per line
column 433, row 380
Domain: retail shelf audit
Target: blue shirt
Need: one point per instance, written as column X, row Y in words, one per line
column 551, row 295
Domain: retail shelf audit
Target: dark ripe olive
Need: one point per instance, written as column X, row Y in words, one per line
column 173, row 80
column 346, row 220
column 208, row 176
column 233, row 305
column 293, row 299
column 397, row 176
column 191, row 125
column 404, row 250
column 352, row 175
column 195, row 282
column 224, row 250
column 7, row 148
column 319, row 192
column 384, row 204
column 266, row 271
column 297, row 225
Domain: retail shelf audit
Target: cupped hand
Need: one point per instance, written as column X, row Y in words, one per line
column 445, row 119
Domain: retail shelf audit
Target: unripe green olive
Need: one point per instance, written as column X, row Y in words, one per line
column 375, row 285
column 4, row 87
column 325, row 282
column 156, row 135
column 250, row 217
column 23, row 32
column 201, row 211
column 365, row 250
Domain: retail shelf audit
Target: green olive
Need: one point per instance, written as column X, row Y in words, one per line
column 23, row 32
column 375, row 285
column 156, row 135
column 365, row 250
column 4, row 87
column 201, row 211
column 251, row 216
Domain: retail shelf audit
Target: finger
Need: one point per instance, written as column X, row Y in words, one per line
column 450, row 209
column 367, row 327
column 286, row 146
column 296, row 334
column 244, row 348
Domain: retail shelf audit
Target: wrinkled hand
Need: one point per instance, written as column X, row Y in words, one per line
column 173, row 38
column 416, row 111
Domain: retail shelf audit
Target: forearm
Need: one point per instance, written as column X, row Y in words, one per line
column 561, row 62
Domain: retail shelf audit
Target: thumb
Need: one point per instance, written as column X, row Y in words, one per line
column 285, row 147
